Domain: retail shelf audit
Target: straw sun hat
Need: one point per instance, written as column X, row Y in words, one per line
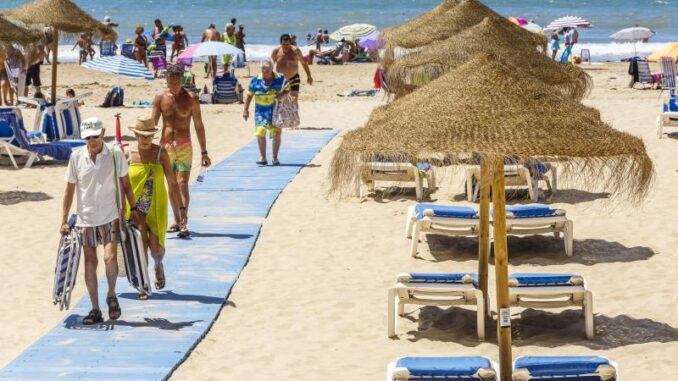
column 144, row 126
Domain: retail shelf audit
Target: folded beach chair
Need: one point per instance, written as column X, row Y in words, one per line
column 478, row 368
column 436, row 290
column 372, row 172
column 127, row 50
column 107, row 48
column 668, row 75
column 534, row 219
column 159, row 62
column 136, row 264
column 66, row 270
column 565, row 368
column 669, row 115
column 585, row 55
column 552, row 291
column 460, row 221
column 516, row 175
column 225, row 90
column 644, row 73
column 16, row 142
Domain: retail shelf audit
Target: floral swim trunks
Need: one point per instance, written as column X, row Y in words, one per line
column 180, row 152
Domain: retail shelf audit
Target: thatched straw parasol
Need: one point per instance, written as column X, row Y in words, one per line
column 443, row 25
column 63, row 16
column 404, row 29
column 488, row 109
column 490, row 35
column 11, row 33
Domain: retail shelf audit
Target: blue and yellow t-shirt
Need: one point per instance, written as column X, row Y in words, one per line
column 264, row 97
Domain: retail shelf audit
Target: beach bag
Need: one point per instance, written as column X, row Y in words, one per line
column 131, row 245
column 285, row 113
column 114, row 98
column 66, row 269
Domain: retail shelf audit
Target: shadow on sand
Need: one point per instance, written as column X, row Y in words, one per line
column 16, row 197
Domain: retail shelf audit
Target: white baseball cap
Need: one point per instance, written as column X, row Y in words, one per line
column 91, row 127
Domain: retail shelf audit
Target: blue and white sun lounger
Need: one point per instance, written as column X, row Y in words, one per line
column 66, row 270
column 669, row 115
column 436, row 290
column 533, row 219
column 442, row 368
column 565, row 368
column 552, row 291
column 374, row 171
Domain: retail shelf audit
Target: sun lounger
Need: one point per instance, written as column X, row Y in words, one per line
column 552, row 291
column 442, row 368
column 66, row 270
column 565, row 368
column 59, row 122
column 516, row 175
column 397, row 172
column 436, row 290
column 439, row 219
column 533, row 219
column 669, row 115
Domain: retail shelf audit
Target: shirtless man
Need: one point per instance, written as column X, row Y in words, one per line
column 177, row 108
column 287, row 58
column 211, row 34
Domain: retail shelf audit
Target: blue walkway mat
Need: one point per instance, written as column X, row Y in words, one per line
column 154, row 336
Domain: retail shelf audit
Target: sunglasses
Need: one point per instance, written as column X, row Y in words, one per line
column 93, row 137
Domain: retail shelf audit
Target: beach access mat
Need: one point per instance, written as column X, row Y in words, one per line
column 153, row 337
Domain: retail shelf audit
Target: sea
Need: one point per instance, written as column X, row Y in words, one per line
column 266, row 20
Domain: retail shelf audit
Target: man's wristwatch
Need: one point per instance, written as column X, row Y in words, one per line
column 204, row 152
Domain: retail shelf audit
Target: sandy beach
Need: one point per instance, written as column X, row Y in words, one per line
column 311, row 303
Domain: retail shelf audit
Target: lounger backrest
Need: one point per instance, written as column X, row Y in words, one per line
column 644, row 74
column 668, row 73
column 127, row 50
column 107, row 48
column 6, row 131
column 15, row 122
column 159, row 62
column 225, row 90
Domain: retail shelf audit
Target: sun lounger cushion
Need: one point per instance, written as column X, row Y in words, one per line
column 445, row 211
column 530, row 210
column 553, row 366
column 458, row 278
column 443, row 366
column 539, row 280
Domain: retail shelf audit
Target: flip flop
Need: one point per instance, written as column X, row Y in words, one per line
column 184, row 232
column 159, row 277
column 262, row 162
column 174, row 229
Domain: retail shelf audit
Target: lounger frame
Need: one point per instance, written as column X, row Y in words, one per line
column 544, row 225
column 514, row 176
column 395, row 373
column 516, row 377
column 372, row 172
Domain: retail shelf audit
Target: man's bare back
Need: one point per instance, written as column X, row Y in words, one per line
column 176, row 111
column 287, row 63
column 211, row 35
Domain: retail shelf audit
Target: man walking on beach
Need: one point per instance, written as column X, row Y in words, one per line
column 92, row 172
column 177, row 108
column 211, row 34
column 287, row 58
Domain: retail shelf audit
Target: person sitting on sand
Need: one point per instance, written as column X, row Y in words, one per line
column 265, row 88
column 89, row 176
column 70, row 93
column 149, row 169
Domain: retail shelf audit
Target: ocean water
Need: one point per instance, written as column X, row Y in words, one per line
column 265, row 20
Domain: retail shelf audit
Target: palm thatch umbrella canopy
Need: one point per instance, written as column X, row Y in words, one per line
column 395, row 33
column 63, row 16
column 486, row 107
column 11, row 33
column 443, row 25
column 490, row 35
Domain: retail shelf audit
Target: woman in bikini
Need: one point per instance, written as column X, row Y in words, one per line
column 149, row 169
column 140, row 43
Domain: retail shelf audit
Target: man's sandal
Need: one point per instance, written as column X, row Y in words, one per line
column 159, row 277
column 94, row 317
column 183, row 232
column 114, row 310
column 174, row 229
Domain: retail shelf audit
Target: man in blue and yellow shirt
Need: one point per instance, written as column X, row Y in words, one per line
column 265, row 89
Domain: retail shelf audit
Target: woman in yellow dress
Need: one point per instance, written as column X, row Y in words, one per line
column 149, row 168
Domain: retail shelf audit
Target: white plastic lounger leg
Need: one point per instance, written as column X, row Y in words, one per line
column 31, row 159
column 533, row 188
column 568, row 237
column 418, row 185
column 469, row 187
column 11, row 156
column 431, row 180
column 480, row 315
column 415, row 239
column 410, row 221
column 588, row 314
column 660, row 133
column 554, row 179
column 391, row 311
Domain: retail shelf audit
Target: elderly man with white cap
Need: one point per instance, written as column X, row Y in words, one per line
column 91, row 177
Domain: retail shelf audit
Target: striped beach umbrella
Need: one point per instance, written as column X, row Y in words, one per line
column 353, row 32
column 121, row 66
column 568, row 22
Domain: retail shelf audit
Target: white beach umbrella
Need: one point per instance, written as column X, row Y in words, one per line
column 634, row 34
column 215, row 48
column 568, row 22
column 353, row 32
column 119, row 65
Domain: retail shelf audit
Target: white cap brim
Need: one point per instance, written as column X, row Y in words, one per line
column 88, row 133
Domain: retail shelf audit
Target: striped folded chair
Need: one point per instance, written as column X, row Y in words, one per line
column 564, row 368
column 225, row 90
column 442, row 368
column 552, row 291
column 436, row 290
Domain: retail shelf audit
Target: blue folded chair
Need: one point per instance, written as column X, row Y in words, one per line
column 564, row 368
column 552, row 290
column 442, row 368
column 444, row 289
column 225, row 90
column 108, row 48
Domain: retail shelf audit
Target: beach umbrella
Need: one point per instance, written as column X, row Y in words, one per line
column 186, row 57
column 490, row 35
column 634, row 34
column 11, row 33
column 353, row 32
column 568, row 22
column 445, row 24
column 120, row 66
column 668, row 50
column 63, row 16
column 487, row 109
column 215, row 48
column 372, row 41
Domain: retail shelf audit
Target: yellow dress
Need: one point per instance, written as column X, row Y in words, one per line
column 150, row 193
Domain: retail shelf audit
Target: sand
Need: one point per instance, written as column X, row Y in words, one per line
column 311, row 303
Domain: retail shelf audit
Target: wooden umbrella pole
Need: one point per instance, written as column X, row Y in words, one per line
column 501, row 270
column 55, row 50
column 484, row 229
